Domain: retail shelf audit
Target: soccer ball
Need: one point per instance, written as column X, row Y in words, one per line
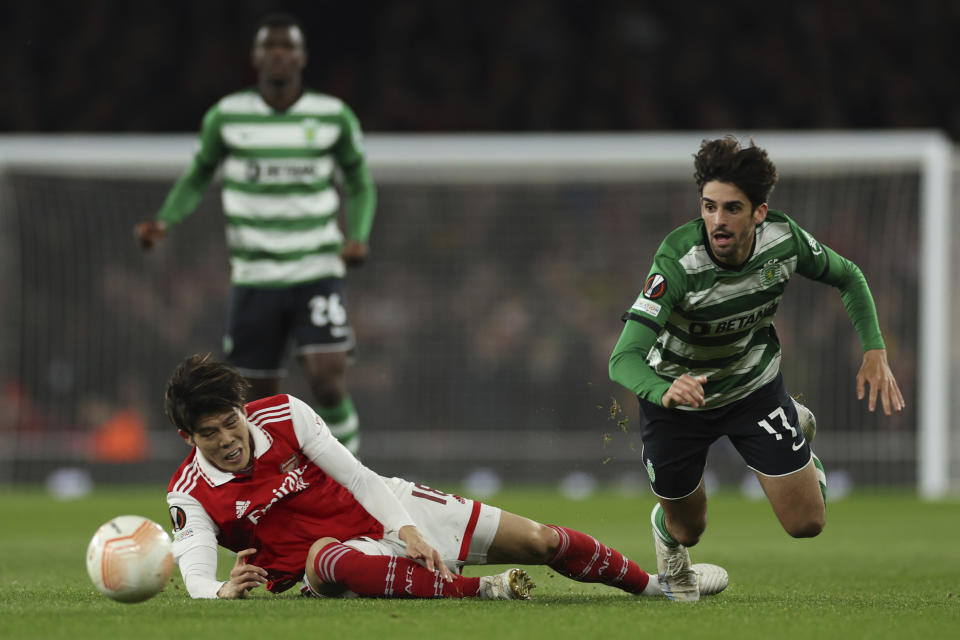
column 129, row 559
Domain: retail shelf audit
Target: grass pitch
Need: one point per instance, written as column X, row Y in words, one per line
column 887, row 566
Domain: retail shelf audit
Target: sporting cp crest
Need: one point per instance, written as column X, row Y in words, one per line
column 771, row 273
column 310, row 126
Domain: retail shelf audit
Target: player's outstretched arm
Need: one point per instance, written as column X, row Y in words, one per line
column 419, row 549
column 875, row 372
column 150, row 233
column 243, row 578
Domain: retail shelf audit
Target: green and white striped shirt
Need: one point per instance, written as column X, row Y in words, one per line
column 701, row 317
column 279, row 197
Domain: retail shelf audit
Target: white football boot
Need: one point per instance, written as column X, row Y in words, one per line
column 808, row 422
column 513, row 584
column 677, row 579
column 711, row 578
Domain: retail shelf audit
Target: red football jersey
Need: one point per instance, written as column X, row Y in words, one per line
column 283, row 505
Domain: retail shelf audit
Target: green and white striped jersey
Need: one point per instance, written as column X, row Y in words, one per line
column 279, row 197
column 712, row 320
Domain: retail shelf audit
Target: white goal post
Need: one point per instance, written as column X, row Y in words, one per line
column 401, row 159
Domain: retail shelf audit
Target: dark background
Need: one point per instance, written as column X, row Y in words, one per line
column 529, row 65
column 488, row 311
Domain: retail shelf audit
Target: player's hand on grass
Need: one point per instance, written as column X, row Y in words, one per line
column 149, row 233
column 876, row 373
column 418, row 549
column 685, row 390
column 243, row 577
column 354, row 253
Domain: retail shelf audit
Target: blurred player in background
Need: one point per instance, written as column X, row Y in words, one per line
column 700, row 351
column 269, row 481
column 280, row 145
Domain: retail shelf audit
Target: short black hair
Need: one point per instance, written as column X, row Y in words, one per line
column 749, row 169
column 200, row 386
column 279, row 20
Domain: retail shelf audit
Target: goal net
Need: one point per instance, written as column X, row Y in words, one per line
column 485, row 316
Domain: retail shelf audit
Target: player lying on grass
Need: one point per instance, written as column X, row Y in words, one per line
column 269, row 481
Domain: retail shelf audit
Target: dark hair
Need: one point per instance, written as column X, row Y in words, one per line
column 279, row 20
column 201, row 386
column 724, row 160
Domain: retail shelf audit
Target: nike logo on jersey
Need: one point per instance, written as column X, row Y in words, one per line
column 796, row 447
column 242, row 506
column 814, row 245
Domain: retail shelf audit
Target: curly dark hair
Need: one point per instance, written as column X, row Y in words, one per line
column 749, row 169
column 201, row 386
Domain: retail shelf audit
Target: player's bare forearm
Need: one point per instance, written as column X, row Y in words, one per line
column 876, row 374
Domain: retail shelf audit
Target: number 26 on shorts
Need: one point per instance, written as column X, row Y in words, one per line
column 325, row 310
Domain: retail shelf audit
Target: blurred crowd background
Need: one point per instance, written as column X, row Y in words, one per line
column 523, row 65
column 485, row 319
column 487, row 308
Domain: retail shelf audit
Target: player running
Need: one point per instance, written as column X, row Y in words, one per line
column 700, row 351
column 280, row 145
column 269, row 481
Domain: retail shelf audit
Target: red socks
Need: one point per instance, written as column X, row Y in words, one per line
column 582, row 558
column 387, row 576
column 579, row 557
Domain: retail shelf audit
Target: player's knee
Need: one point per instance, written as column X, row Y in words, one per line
column 687, row 537
column 312, row 554
column 328, row 396
column 326, row 375
column 808, row 523
column 329, row 391
column 687, row 532
column 314, row 581
column 808, row 528
column 540, row 543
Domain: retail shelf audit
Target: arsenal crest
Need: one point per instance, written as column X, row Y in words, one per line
column 290, row 464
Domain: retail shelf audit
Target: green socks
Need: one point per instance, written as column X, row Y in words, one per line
column 657, row 517
column 821, row 476
column 343, row 423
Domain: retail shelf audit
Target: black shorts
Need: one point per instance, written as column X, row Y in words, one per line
column 763, row 427
column 262, row 321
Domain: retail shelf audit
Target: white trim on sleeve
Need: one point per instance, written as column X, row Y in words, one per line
column 326, row 452
column 195, row 547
